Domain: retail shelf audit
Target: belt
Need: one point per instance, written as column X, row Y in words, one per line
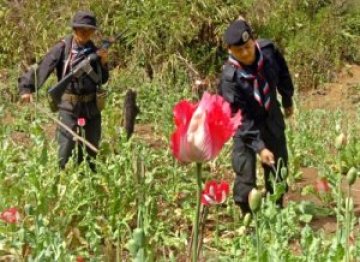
column 78, row 98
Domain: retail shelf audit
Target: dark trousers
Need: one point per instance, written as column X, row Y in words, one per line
column 244, row 165
column 91, row 132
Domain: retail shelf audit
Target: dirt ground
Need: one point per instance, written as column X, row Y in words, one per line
column 343, row 94
column 309, row 177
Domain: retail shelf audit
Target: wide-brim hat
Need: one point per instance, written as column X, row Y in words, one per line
column 84, row 19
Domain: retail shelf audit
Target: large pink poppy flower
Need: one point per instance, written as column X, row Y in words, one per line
column 202, row 128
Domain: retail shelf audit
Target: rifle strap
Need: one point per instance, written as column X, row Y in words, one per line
column 67, row 53
column 68, row 42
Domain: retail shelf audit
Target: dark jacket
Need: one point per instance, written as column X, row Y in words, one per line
column 239, row 93
column 55, row 59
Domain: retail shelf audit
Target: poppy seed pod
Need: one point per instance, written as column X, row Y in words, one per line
column 351, row 176
column 254, row 199
column 247, row 219
column 284, row 172
column 139, row 236
column 132, row 246
column 242, row 231
column 340, row 141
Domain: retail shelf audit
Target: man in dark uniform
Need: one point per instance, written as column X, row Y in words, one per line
column 79, row 98
column 250, row 79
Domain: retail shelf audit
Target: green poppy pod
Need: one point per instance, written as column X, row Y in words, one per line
column 132, row 246
column 340, row 141
column 247, row 219
column 139, row 236
column 254, row 199
column 351, row 176
column 284, row 172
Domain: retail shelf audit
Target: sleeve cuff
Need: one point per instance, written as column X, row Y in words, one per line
column 258, row 146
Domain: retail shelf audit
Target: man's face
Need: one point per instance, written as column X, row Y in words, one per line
column 83, row 34
column 246, row 53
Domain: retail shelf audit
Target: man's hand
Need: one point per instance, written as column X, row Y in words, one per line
column 267, row 157
column 26, row 98
column 103, row 53
column 289, row 111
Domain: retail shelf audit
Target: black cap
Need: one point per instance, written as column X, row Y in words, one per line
column 84, row 19
column 238, row 33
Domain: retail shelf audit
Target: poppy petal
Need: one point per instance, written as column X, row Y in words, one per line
column 202, row 129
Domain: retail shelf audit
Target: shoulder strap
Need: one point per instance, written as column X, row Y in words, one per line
column 228, row 72
column 68, row 44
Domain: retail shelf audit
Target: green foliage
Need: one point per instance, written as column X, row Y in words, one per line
column 166, row 36
column 76, row 212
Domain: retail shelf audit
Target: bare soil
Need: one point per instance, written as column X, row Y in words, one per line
column 343, row 93
column 146, row 133
column 309, row 177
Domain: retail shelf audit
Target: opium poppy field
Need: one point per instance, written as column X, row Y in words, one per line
column 166, row 193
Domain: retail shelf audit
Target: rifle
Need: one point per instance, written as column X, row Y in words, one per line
column 82, row 68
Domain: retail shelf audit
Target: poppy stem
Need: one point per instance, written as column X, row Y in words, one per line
column 348, row 218
column 339, row 201
column 217, row 226
column 196, row 222
column 257, row 236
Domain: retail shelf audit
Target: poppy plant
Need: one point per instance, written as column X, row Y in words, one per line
column 80, row 259
column 202, row 129
column 81, row 122
column 322, row 185
column 214, row 193
column 10, row 215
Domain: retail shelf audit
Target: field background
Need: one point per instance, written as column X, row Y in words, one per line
column 167, row 46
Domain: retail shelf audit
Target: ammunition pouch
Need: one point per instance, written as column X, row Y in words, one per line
column 73, row 99
column 101, row 96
